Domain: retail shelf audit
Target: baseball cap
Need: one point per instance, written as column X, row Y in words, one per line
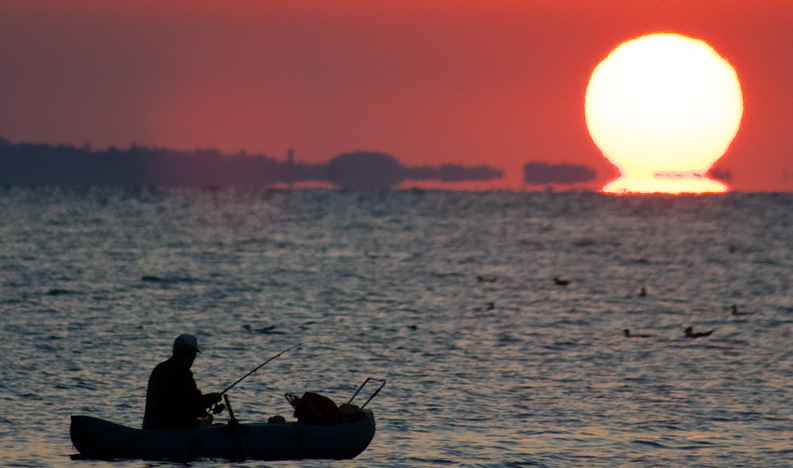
column 186, row 339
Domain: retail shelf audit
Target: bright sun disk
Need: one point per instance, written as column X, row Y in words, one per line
column 663, row 108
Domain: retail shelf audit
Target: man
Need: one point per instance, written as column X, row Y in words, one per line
column 172, row 398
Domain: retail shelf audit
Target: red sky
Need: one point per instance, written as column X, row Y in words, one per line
column 469, row 82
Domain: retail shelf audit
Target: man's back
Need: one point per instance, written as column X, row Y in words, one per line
column 172, row 398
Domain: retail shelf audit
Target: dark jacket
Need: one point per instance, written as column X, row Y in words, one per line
column 172, row 398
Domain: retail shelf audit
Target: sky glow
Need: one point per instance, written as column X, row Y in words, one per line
column 497, row 83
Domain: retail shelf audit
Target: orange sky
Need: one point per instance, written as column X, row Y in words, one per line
column 498, row 83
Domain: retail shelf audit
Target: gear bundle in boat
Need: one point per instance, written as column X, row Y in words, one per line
column 313, row 408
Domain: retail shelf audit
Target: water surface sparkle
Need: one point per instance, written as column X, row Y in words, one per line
column 509, row 369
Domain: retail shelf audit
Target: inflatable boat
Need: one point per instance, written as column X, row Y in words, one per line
column 95, row 438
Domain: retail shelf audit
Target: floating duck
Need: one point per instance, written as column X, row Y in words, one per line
column 270, row 329
column 691, row 334
column 560, row 282
column 736, row 312
column 630, row 335
column 486, row 279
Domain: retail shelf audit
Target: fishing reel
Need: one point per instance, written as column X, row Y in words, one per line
column 218, row 408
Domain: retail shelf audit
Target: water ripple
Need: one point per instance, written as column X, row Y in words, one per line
column 450, row 296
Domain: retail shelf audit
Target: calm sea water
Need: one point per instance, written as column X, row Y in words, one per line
column 450, row 296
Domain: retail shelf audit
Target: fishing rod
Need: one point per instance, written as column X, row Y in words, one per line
column 257, row 368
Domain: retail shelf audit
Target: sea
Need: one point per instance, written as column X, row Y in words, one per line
column 496, row 319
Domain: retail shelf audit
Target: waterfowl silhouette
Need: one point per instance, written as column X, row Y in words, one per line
column 269, row 329
column 643, row 292
column 630, row 335
column 691, row 334
column 560, row 282
column 736, row 312
column 486, row 279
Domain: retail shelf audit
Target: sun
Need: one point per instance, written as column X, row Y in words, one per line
column 663, row 108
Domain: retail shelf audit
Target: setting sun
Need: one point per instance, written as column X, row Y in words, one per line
column 663, row 108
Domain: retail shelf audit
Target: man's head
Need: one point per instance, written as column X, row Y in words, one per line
column 185, row 348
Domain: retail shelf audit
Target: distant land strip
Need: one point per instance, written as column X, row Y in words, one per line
column 28, row 164
column 65, row 165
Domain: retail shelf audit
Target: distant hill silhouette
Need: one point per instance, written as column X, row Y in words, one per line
column 41, row 164
column 364, row 170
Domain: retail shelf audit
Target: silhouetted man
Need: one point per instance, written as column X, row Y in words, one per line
column 172, row 398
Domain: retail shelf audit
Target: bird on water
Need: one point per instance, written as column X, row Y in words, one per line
column 561, row 282
column 691, row 334
column 735, row 311
column 632, row 335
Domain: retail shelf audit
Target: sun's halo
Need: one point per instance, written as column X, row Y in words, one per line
column 663, row 108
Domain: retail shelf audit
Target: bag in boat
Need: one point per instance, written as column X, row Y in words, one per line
column 313, row 408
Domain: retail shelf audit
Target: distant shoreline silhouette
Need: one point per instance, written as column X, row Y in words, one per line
column 29, row 164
